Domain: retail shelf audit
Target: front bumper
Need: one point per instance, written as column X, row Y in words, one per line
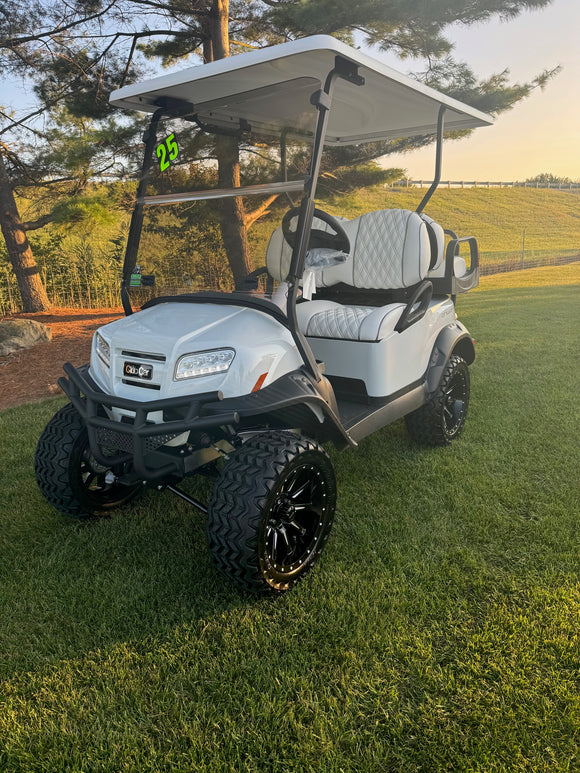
column 293, row 401
column 141, row 441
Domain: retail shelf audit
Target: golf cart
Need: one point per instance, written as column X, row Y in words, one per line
column 341, row 327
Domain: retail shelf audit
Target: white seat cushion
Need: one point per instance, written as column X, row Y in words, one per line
column 437, row 241
column 327, row 319
column 389, row 249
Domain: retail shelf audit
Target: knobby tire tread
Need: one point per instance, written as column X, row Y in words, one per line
column 425, row 424
column 51, row 463
column 53, row 466
column 239, row 498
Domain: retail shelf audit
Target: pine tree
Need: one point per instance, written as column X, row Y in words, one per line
column 77, row 53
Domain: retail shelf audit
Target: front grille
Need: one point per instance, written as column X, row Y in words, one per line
column 144, row 355
column 122, row 441
column 108, row 438
column 141, row 384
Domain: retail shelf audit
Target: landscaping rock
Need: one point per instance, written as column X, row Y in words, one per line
column 22, row 334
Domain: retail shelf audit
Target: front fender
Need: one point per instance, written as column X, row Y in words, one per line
column 453, row 339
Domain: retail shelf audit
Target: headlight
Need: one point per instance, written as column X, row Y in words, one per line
column 204, row 363
column 103, row 350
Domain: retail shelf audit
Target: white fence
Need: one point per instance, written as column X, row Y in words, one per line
column 516, row 260
column 478, row 184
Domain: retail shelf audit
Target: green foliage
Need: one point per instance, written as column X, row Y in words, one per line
column 352, row 178
column 182, row 247
column 491, row 95
column 547, row 177
column 89, row 210
column 77, row 151
column 87, row 87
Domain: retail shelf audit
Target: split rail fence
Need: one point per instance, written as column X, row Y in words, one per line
column 409, row 183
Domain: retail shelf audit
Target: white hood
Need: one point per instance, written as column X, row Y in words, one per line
column 158, row 336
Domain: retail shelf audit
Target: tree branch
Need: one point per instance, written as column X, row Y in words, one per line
column 32, row 225
column 163, row 7
column 13, row 42
column 251, row 217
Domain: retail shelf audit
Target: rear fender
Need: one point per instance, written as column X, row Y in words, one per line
column 453, row 339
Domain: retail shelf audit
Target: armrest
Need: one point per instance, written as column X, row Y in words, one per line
column 453, row 249
column 449, row 284
column 410, row 315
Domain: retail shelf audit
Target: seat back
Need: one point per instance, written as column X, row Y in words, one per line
column 279, row 252
column 389, row 249
column 436, row 240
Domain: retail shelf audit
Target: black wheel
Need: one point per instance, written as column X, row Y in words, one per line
column 271, row 511
column 68, row 475
column 441, row 419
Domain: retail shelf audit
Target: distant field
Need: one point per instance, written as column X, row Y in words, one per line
column 496, row 217
column 82, row 267
column 438, row 633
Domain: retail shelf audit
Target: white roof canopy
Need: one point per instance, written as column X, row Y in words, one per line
column 271, row 88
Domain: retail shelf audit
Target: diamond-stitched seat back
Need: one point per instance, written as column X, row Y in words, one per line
column 389, row 249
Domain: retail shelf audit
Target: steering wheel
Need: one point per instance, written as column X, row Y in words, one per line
column 336, row 241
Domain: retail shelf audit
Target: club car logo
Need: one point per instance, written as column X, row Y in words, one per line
column 136, row 370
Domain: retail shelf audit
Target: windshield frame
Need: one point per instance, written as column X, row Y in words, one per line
column 322, row 101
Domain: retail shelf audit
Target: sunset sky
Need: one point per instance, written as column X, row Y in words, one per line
column 540, row 134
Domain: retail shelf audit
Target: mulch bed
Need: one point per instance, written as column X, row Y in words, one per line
column 31, row 374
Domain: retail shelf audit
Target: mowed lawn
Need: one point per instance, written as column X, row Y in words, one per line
column 439, row 631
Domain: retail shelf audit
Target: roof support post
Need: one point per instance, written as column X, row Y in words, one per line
column 322, row 99
column 438, row 155
column 149, row 138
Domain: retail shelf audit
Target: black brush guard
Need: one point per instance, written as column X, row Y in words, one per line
column 141, row 441
column 208, row 417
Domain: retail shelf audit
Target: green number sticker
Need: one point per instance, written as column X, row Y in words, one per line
column 166, row 152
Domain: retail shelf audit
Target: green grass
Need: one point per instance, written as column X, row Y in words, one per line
column 496, row 217
column 439, row 631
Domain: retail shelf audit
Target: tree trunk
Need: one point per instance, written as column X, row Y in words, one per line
column 232, row 214
column 32, row 292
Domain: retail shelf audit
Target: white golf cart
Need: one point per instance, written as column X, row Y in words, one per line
column 350, row 324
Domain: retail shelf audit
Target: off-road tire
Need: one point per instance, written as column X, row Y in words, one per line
column 63, row 466
column 441, row 419
column 252, row 508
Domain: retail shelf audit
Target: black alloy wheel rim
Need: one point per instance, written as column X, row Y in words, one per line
column 296, row 519
column 99, row 484
column 454, row 404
